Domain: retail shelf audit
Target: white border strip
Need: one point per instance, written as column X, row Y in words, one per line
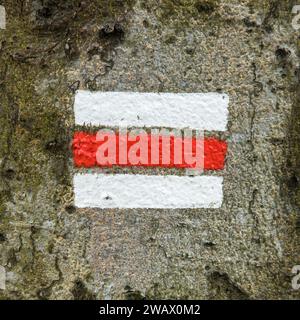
column 202, row 111
column 2, row 18
column 142, row 191
column 2, row 278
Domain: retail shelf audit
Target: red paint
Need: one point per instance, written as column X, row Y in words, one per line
column 85, row 147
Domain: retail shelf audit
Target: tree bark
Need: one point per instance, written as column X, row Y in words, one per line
column 51, row 250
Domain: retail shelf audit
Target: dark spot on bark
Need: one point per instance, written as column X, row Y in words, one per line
column 81, row 292
column 133, row 294
column 50, row 247
column 70, row 209
column 170, row 39
column 293, row 183
column 190, row 51
column 277, row 141
column 209, row 244
column 146, row 23
column 112, row 32
column 44, row 293
column 2, row 237
column 297, row 75
column 206, row 7
column 45, row 12
column 249, row 23
column 282, row 53
column 298, row 225
column 9, row 174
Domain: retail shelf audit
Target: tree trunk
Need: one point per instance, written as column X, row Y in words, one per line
column 49, row 249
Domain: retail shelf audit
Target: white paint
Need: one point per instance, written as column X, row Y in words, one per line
column 202, row 111
column 142, row 191
column 296, row 278
column 296, row 19
column 2, row 18
column 2, row 278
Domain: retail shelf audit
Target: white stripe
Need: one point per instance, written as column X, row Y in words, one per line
column 2, row 17
column 2, row 278
column 202, row 111
column 142, row 191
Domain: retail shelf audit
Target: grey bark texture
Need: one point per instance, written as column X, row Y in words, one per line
column 245, row 250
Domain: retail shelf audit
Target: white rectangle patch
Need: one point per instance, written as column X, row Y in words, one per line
column 202, row 111
column 2, row 278
column 2, row 18
column 143, row 191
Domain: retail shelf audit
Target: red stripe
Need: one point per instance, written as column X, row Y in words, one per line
column 85, row 147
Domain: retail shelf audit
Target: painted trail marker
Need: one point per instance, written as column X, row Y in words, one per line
column 150, row 111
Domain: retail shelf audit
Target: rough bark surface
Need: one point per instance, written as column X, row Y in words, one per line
column 245, row 48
